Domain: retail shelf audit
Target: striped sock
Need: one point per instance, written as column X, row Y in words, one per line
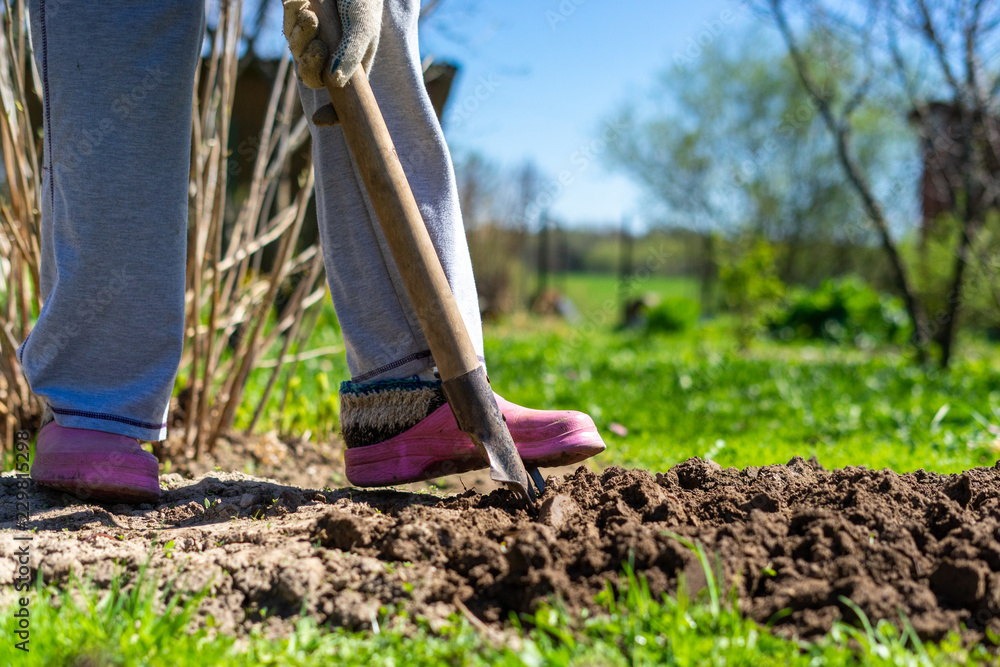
column 371, row 412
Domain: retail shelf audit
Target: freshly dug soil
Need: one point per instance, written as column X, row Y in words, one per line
column 787, row 537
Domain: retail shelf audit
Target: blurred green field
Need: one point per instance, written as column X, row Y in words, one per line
column 597, row 296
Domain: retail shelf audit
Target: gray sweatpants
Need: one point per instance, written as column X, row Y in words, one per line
column 117, row 81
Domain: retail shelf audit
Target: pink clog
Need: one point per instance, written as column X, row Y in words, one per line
column 95, row 465
column 436, row 447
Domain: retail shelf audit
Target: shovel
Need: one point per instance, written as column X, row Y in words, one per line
column 464, row 381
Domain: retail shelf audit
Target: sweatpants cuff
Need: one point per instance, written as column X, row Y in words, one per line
column 371, row 412
column 110, row 423
column 407, row 367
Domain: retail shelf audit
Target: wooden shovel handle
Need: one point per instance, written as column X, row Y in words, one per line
column 398, row 214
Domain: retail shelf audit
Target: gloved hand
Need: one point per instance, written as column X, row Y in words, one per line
column 360, row 22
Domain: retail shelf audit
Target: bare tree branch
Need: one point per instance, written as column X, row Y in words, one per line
column 930, row 32
column 840, row 129
column 428, row 9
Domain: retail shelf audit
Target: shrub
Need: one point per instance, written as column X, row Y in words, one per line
column 843, row 311
column 751, row 288
column 674, row 314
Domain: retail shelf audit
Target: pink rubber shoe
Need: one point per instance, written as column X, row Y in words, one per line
column 95, row 465
column 436, row 447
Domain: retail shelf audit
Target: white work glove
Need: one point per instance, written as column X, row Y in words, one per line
column 361, row 24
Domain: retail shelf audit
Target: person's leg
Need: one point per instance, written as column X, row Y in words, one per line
column 380, row 328
column 395, row 421
column 117, row 81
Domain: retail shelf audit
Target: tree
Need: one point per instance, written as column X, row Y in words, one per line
column 732, row 142
column 927, row 57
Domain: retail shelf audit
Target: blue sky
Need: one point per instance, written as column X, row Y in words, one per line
column 539, row 80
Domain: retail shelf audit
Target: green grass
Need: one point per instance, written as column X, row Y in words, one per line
column 696, row 395
column 143, row 625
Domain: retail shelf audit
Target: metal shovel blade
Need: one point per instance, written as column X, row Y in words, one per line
column 475, row 409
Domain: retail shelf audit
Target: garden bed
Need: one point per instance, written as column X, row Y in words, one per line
column 793, row 541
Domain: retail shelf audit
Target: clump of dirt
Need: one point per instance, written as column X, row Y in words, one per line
column 793, row 538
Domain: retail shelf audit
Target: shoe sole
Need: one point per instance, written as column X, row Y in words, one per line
column 127, row 487
column 130, row 479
